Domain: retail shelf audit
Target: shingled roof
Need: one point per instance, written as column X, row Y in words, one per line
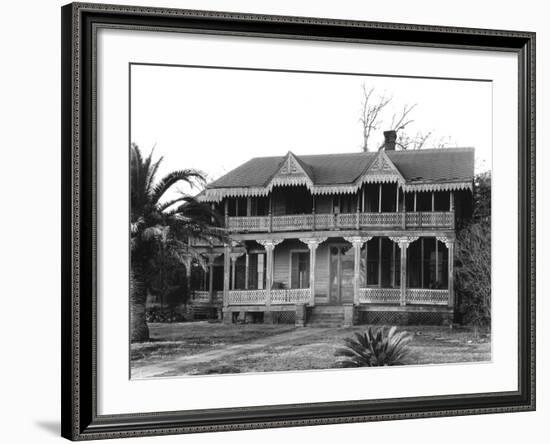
column 422, row 169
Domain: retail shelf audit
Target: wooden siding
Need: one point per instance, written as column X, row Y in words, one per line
column 281, row 266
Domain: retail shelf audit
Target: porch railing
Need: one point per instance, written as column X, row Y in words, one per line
column 247, row 297
column 418, row 296
column 290, row 296
column 249, row 223
column 292, row 222
column 278, row 296
column 202, row 296
column 427, row 296
column 327, row 221
column 379, row 295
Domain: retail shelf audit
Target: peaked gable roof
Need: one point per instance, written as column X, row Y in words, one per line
column 382, row 169
column 426, row 169
column 292, row 171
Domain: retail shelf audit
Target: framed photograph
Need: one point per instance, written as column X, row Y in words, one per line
column 276, row 221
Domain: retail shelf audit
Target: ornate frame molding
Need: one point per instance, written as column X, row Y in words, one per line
column 80, row 419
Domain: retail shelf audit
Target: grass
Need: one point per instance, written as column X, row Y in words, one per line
column 198, row 348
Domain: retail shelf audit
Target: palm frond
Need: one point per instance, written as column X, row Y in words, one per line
column 190, row 176
column 374, row 347
column 152, row 173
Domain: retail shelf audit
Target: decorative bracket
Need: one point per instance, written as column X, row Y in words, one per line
column 313, row 242
column 448, row 242
column 404, row 241
column 358, row 241
column 269, row 244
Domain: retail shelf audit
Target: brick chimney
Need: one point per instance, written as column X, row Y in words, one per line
column 390, row 138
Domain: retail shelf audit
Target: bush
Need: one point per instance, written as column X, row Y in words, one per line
column 374, row 348
column 473, row 258
column 473, row 274
column 163, row 315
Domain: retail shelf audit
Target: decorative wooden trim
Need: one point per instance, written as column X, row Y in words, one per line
column 218, row 194
column 440, row 186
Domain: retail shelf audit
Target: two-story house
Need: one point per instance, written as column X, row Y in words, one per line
column 339, row 238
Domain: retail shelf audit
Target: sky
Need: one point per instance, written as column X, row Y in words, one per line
column 216, row 119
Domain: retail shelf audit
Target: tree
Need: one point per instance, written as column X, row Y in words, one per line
column 370, row 114
column 473, row 258
column 373, row 117
column 161, row 225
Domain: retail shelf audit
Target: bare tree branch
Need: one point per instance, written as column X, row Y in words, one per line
column 413, row 143
column 370, row 113
column 399, row 121
column 372, row 118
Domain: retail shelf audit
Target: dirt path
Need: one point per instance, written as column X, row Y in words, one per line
column 159, row 368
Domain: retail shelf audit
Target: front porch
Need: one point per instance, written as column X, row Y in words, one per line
column 385, row 273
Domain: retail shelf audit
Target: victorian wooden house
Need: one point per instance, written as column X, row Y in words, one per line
column 338, row 238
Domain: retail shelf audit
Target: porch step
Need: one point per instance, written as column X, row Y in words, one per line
column 326, row 316
column 202, row 311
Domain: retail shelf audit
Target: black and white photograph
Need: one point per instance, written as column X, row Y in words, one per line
column 274, row 222
column 297, row 220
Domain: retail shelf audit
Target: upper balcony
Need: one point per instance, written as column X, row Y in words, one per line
column 343, row 221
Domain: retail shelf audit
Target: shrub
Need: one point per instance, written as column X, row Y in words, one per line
column 473, row 259
column 156, row 314
column 374, row 348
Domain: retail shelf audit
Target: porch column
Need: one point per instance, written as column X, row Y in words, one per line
column 452, row 207
column 210, row 282
column 226, row 212
column 450, row 244
column 270, row 213
column 211, row 258
column 450, row 265
column 393, row 266
column 357, row 242
column 403, row 243
column 226, row 267
column 422, row 263
column 403, row 209
column 380, row 262
column 313, row 211
column 357, row 212
column 246, row 266
column 312, row 243
column 188, row 262
column 269, row 245
column 397, row 198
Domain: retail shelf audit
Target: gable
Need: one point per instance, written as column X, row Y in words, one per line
column 291, row 172
column 382, row 169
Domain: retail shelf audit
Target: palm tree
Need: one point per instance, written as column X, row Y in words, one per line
column 159, row 225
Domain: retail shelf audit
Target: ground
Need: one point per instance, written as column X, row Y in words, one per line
column 195, row 348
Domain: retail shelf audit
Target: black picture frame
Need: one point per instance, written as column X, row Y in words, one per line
column 79, row 416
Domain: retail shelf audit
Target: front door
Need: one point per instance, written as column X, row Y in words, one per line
column 341, row 274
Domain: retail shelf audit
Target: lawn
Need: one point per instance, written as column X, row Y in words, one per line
column 198, row 348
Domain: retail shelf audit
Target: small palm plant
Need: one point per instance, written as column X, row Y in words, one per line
column 374, row 348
